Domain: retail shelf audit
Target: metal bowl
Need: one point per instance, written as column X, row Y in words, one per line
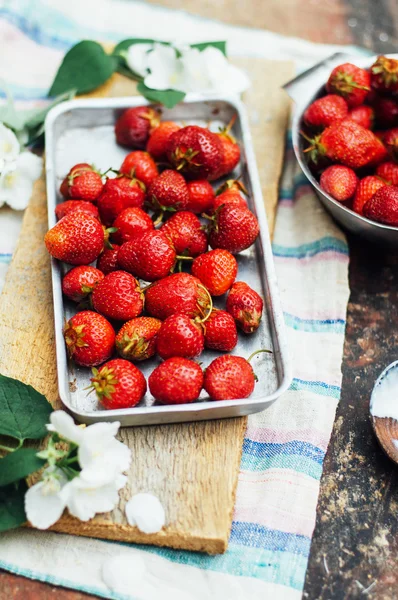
column 303, row 90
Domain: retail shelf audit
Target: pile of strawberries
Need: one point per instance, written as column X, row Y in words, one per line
column 140, row 224
column 352, row 138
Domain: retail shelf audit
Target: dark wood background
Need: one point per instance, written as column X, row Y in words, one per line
column 354, row 552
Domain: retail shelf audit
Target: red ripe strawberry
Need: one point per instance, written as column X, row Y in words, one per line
column 347, row 143
column 76, row 169
column 351, row 82
column 136, row 340
column 159, row 140
column 107, row 261
column 386, row 111
column 230, row 153
column 180, row 336
column 149, row 256
column 131, row 222
column 389, row 172
column 177, row 293
column 133, row 127
column 168, row 190
column 363, row 115
column 83, row 184
column 65, row 208
column 177, row 380
column 326, row 110
column 339, row 181
column 79, row 282
column 196, row 152
column 141, row 165
column 118, row 384
column 229, row 378
column 216, row 269
column 201, row 196
column 233, row 228
column 383, row 206
column 246, row 306
column 384, row 75
column 77, row 239
column 366, row 188
column 229, row 197
column 220, row 331
column 89, row 338
column 118, row 194
column 391, row 142
column 185, row 232
column 118, row 296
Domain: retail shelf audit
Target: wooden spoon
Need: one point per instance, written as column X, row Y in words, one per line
column 385, row 428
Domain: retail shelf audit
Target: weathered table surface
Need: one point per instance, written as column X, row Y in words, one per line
column 354, row 550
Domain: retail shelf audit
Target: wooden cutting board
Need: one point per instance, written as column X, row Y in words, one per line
column 192, row 467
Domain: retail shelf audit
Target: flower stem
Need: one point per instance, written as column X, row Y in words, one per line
column 258, row 352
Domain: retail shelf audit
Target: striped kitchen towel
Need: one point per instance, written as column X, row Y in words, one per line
column 284, row 446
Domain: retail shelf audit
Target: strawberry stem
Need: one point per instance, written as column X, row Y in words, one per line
column 258, row 352
column 210, row 304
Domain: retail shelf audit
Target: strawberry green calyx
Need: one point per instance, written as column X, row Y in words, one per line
column 387, row 69
column 74, row 337
column 133, row 347
column 344, row 83
column 316, row 149
column 232, row 184
column 103, row 382
column 183, row 158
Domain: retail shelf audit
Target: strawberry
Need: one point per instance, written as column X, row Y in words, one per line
column 229, row 378
column 180, row 293
column 389, row 172
column 363, row 115
column 229, row 197
column 386, row 111
column 118, row 296
column 133, row 127
column 118, row 384
column 107, row 261
column 185, row 232
column 118, row 194
column 384, row 75
column 141, row 165
column 351, row 82
column 149, row 256
column 83, row 183
column 180, row 336
column 201, row 196
column 340, row 182
column 68, row 206
column 216, row 269
column 196, row 152
column 383, row 206
column 230, row 152
column 159, row 140
column 136, row 340
column 233, row 228
column 177, row 380
column 89, row 338
column 76, row 169
column 347, row 143
column 326, row 110
column 232, row 185
column 168, row 191
column 79, row 282
column 77, row 239
column 366, row 188
column 391, row 143
column 220, row 331
column 130, row 222
column 245, row 306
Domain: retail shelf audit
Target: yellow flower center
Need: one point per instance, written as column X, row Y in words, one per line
column 10, row 179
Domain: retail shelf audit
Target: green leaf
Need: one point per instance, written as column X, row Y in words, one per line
column 12, row 508
column 24, row 412
column 85, row 67
column 219, row 45
column 168, row 98
column 18, row 465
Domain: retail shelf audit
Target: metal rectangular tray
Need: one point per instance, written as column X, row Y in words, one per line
column 82, row 131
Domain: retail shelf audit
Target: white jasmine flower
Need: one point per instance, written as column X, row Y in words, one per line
column 223, row 76
column 17, row 178
column 65, row 426
column 195, row 75
column 44, row 504
column 84, row 498
column 166, row 70
column 146, row 512
column 9, row 145
column 137, row 58
column 100, row 455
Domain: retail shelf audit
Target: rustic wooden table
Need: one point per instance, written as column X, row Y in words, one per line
column 354, row 551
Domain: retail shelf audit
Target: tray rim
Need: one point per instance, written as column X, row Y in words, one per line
column 204, row 408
